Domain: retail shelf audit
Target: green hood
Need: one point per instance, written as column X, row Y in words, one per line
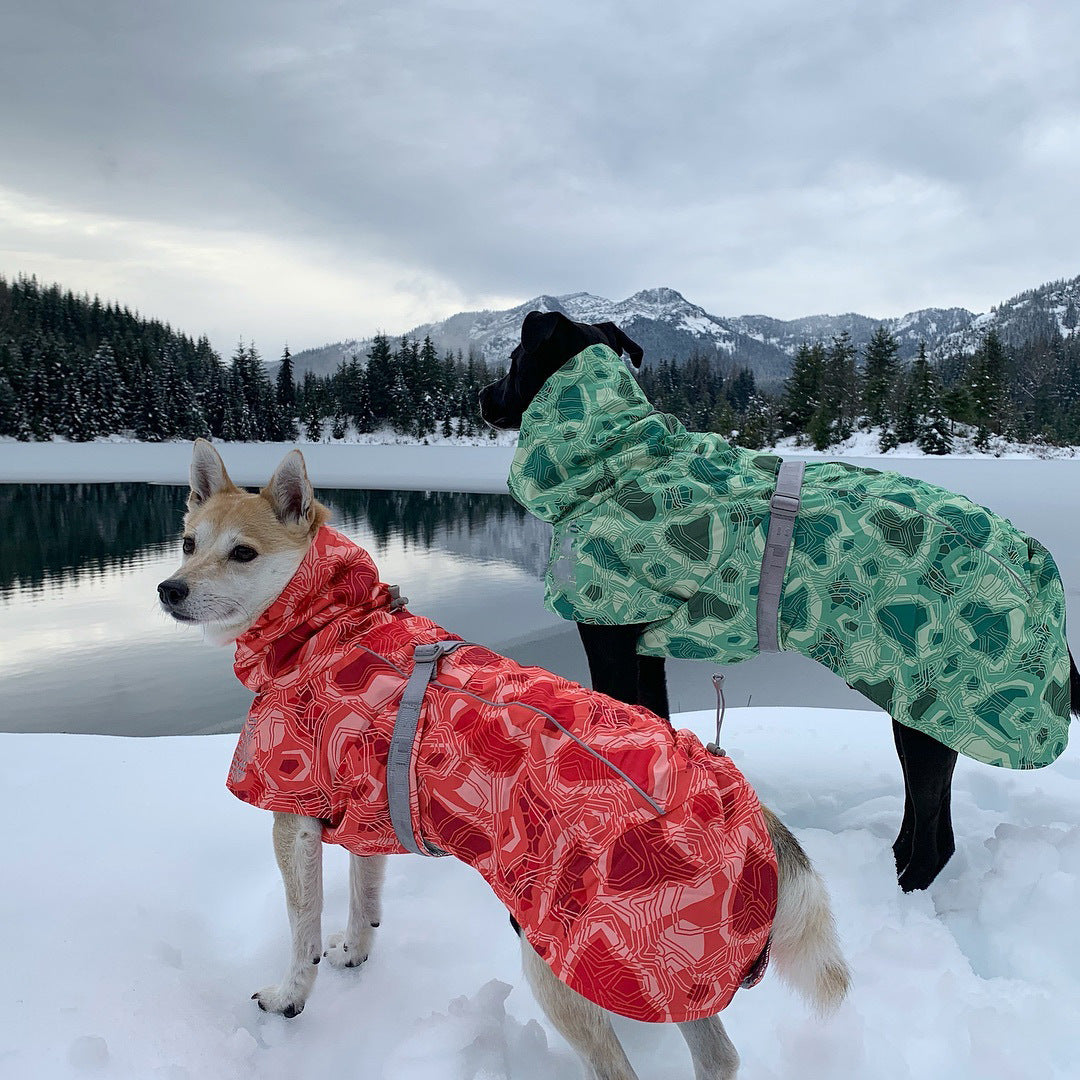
column 934, row 608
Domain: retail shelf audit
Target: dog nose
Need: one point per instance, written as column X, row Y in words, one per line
column 172, row 592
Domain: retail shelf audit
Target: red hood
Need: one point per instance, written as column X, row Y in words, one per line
column 336, row 581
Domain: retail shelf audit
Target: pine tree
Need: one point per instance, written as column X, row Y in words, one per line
column 741, row 390
column 935, row 437
column 103, row 391
column 757, row 429
column 285, row 387
column 148, row 420
column 840, row 386
column 989, row 391
column 9, row 420
column 423, row 422
column 380, row 379
column 79, row 426
column 879, row 376
column 313, row 420
column 802, row 389
column 834, row 417
column 38, row 421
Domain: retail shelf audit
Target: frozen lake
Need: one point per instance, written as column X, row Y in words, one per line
column 84, row 648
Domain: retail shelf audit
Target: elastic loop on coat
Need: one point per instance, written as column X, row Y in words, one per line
column 400, row 781
column 783, row 507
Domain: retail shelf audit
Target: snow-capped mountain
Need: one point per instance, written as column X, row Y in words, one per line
column 1046, row 312
column 666, row 324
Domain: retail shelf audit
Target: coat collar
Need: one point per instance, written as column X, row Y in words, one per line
column 337, row 580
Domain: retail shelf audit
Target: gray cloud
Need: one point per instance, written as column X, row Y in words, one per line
column 311, row 170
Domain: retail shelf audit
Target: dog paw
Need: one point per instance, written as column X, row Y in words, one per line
column 273, row 999
column 343, row 953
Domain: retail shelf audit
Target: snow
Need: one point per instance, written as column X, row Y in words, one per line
column 383, row 461
column 866, row 444
column 387, row 466
column 142, row 907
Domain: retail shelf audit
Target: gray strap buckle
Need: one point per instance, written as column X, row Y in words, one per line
column 400, row 781
column 784, row 505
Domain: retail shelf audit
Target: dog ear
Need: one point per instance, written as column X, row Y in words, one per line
column 538, row 327
column 621, row 343
column 208, row 475
column 289, row 491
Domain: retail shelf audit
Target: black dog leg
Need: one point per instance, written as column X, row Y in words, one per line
column 905, row 838
column 925, row 843
column 616, row 669
column 652, row 685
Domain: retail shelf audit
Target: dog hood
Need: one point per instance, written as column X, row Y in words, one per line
column 937, row 610
column 336, row 586
column 638, row 865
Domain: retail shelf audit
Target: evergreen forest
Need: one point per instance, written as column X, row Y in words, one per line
column 73, row 367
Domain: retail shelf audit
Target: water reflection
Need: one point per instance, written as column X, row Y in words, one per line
column 55, row 532
column 85, row 647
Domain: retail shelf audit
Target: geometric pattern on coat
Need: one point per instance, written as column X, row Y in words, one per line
column 933, row 607
column 637, row 864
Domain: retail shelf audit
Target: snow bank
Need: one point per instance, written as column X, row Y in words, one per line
column 399, row 467
column 142, row 907
column 451, row 465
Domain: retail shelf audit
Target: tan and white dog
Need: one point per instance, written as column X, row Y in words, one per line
column 240, row 551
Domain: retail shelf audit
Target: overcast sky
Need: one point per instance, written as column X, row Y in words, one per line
column 313, row 171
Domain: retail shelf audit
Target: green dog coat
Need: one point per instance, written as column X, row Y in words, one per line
column 934, row 608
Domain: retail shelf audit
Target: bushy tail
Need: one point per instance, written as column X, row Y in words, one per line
column 1074, row 688
column 805, row 948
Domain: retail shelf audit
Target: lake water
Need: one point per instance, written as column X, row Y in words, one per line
column 85, row 648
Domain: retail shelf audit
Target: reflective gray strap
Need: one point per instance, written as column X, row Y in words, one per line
column 784, row 505
column 400, row 781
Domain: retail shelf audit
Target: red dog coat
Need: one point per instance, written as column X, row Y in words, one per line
column 637, row 863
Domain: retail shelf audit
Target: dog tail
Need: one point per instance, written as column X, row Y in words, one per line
column 1074, row 687
column 805, row 947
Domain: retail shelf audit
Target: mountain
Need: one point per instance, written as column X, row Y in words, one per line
column 666, row 324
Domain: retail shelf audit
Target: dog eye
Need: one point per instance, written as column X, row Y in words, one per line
column 242, row 553
column 189, row 545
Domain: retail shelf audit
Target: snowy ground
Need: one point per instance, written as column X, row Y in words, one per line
column 390, row 466
column 864, row 444
column 142, row 907
column 385, row 461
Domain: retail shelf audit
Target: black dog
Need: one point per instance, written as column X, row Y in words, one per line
column 925, row 842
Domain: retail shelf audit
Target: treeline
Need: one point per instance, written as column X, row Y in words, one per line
column 407, row 387
column 705, row 398
column 1027, row 392
column 80, row 369
column 77, row 368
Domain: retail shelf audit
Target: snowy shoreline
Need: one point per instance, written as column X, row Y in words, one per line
column 144, row 907
column 454, row 465
column 399, row 467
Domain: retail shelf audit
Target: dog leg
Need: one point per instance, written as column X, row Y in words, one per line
column 616, row 669
column 714, row 1054
column 298, row 847
column 906, row 837
column 652, row 685
column 351, row 947
column 928, row 771
column 585, row 1026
